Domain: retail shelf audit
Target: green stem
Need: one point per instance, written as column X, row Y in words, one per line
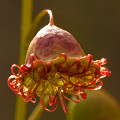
column 26, row 19
column 35, row 115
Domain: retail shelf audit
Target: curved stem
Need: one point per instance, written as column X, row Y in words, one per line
column 26, row 22
column 51, row 20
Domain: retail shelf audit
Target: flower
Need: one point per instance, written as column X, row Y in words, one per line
column 56, row 64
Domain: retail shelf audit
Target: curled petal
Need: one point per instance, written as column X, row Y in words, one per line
column 77, row 97
column 85, row 68
column 30, row 95
column 24, row 69
column 8, row 81
column 65, row 57
column 103, row 61
column 105, row 72
column 12, row 69
column 93, row 82
column 90, row 59
column 28, row 98
column 33, row 101
column 62, row 101
column 95, row 88
column 44, row 106
column 32, row 58
column 83, row 95
column 52, row 100
column 13, row 85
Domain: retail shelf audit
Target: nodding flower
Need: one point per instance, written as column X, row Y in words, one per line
column 56, row 64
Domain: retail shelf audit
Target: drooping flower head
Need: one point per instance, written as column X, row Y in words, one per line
column 56, row 64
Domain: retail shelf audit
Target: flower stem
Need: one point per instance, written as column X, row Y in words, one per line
column 26, row 20
column 35, row 115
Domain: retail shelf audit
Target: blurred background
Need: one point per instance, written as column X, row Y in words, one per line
column 94, row 23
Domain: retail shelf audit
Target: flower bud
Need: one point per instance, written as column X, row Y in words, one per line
column 51, row 41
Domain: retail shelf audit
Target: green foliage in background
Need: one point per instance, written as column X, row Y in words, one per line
column 99, row 105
